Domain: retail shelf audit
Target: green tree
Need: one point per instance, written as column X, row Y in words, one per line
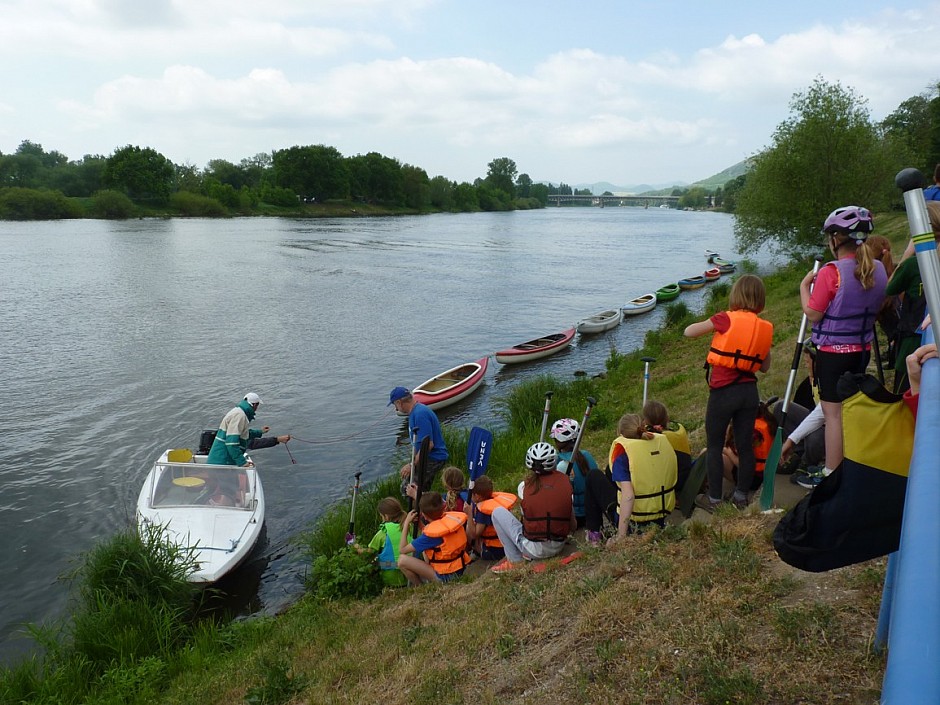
column 416, row 187
column 142, row 174
column 375, row 178
column 540, row 192
column 695, row 197
column 827, row 154
column 319, row 172
column 501, row 175
column 442, row 193
column 909, row 126
column 524, row 186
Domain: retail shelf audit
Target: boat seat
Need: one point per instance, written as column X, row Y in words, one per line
column 179, row 455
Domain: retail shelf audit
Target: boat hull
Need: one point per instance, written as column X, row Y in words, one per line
column 692, row 283
column 639, row 305
column 181, row 499
column 712, row 274
column 600, row 322
column 668, row 292
column 536, row 349
column 451, row 386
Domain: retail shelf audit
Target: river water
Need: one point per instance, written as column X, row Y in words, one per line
column 122, row 339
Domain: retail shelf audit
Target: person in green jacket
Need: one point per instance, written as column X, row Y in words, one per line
column 386, row 541
column 231, row 440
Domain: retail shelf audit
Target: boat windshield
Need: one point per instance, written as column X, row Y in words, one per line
column 196, row 484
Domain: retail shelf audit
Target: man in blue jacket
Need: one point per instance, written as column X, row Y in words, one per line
column 422, row 422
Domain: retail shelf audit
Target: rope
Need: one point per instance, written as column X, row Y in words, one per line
column 340, row 439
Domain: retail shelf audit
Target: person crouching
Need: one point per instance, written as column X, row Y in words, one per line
column 480, row 528
column 444, row 543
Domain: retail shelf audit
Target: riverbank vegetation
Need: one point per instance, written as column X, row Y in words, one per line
column 700, row 612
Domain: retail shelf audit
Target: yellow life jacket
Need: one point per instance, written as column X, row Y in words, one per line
column 745, row 345
column 653, row 474
column 507, row 500
column 678, row 439
column 451, row 555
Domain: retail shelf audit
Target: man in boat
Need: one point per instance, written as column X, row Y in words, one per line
column 230, row 446
column 422, row 423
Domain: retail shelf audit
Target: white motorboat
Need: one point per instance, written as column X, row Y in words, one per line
column 216, row 511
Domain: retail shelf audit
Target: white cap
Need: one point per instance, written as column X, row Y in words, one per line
column 252, row 398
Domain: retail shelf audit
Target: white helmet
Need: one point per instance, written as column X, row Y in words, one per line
column 541, row 457
column 564, row 430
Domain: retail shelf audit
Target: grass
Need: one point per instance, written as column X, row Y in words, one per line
column 692, row 614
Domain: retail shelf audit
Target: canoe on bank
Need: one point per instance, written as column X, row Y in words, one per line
column 640, row 304
column 689, row 283
column 668, row 292
column 712, row 274
column 536, row 349
column 451, row 386
column 599, row 322
column 215, row 511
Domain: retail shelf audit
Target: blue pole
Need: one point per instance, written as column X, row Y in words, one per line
column 912, row 675
column 887, row 597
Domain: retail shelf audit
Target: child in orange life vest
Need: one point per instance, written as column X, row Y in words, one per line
column 444, row 543
column 480, row 527
column 765, row 428
column 740, row 347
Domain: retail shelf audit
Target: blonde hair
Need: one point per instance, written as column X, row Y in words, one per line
column 864, row 262
column 631, row 426
column 747, row 294
column 452, row 478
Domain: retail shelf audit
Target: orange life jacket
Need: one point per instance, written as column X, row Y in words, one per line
column 745, row 345
column 451, row 555
column 507, row 500
column 762, row 443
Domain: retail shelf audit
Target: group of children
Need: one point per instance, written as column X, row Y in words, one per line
column 649, row 461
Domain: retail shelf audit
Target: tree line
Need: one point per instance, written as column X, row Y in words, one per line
column 134, row 180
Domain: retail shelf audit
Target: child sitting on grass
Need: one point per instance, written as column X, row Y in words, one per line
column 387, row 540
column 444, row 543
column 480, row 529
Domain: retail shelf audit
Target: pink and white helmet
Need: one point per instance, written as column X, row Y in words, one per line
column 564, row 430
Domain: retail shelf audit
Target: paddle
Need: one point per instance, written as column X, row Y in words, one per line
column 877, row 351
column 693, row 486
column 646, row 376
column 351, row 534
column 418, row 474
column 411, row 480
column 773, row 458
column 591, row 401
column 548, row 405
column 479, row 446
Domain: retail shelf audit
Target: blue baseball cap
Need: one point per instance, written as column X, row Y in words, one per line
column 396, row 394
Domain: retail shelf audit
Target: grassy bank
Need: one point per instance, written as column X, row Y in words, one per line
column 694, row 614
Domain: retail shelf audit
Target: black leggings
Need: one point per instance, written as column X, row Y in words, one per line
column 735, row 404
column 600, row 498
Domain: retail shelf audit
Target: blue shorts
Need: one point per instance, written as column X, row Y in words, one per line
column 447, row 577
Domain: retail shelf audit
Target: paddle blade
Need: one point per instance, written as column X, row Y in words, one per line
column 478, row 451
column 770, row 472
column 693, row 486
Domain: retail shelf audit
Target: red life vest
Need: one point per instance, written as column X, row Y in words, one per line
column 762, row 443
column 451, row 555
column 745, row 345
column 507, row 500
column 547, row 513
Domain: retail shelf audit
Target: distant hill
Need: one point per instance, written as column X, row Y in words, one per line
column 663, row 189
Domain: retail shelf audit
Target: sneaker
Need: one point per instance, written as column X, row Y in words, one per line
column 739, row 502
column 809, row 480
column 707, row 503
column 595, row 538
column 504, row 566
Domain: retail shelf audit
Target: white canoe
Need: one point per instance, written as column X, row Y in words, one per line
column 451, row 386
column 216, row 511
column 640, row 304
column 599, row 322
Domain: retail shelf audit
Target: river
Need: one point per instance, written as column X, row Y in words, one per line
column 122, row 339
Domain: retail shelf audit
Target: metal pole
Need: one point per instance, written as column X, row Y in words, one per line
column 646, row 376
column 925, row 247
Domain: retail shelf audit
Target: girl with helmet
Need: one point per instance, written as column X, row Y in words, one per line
column 565, row 432
column 842, row 304
column 740, row 347
column 547, row 509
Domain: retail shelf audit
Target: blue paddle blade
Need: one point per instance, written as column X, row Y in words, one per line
column 770, row 472
column 478, row 451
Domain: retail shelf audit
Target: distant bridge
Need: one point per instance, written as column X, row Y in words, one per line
column 602, row 201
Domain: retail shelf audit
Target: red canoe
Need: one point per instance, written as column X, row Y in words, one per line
column 712, row 274
column 535, row 349
column 451, row 386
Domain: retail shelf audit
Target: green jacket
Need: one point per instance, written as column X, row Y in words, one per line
column 231, row 440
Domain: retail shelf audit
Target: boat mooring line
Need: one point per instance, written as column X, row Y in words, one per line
column 340, row 439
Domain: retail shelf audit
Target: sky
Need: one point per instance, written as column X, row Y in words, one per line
column 620, row 91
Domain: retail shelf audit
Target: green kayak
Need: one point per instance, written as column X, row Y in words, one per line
column 668, row 292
